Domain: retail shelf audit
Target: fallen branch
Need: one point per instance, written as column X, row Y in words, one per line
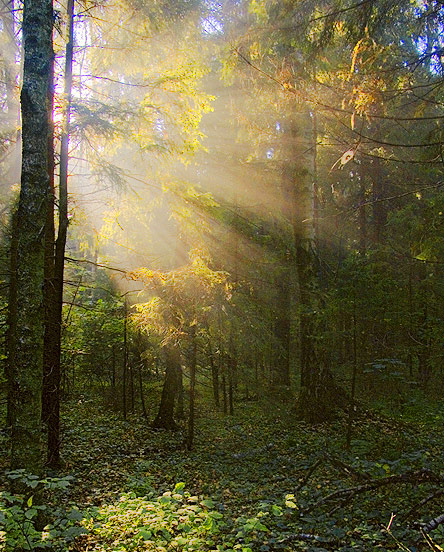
column 432, row 524
column 416, row 507
column 349, row 470
column 309, row 474
column 421, row 476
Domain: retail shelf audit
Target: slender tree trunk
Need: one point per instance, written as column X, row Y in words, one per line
column 142, row 398
column 379, row 208
column 231, row 368
column 131, row 386
column 354, row 376
column 180, row 408
column 362, row 218
column 317, row 398
column 282, row 327
column 113, row 367
column 26, row 450
column 410, row 321
column 55, row 270
column 125, row 361
column 165, row 416
column 214, row 375
column 224, row 391
column 191, row 413
column 49, row 347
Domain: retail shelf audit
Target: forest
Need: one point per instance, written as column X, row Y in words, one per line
column 222, row 260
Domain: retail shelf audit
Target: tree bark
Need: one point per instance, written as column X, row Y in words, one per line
column 59, row 265
column 379, row 208
column 125, row 360
column 282, row 327
column 27, row 343
column 180, row 406
column 12, row 319
column 191, row 412
column 214, row 375
column 165, row 415
column 142, row 398
column 319, row 396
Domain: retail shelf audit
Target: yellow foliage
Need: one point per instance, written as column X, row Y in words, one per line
column 180, row 297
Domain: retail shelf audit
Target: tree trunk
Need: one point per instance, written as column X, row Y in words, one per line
column 362, row 218
column 131, row 387
column 12, row 319
column 318, row 395
column 282, row 327
column 49, row 345
column 224, row 391
column 165, row 416
column 191, row 412
column 125, row 360
column 54, row 267
column 180, row 409
column 27, row 343
column 231, row 368
column 379, row 209
column 214, row 375
column 142, row 398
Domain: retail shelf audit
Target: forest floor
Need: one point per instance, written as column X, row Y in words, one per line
column 255, row 481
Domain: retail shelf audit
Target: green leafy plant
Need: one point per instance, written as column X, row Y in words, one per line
column 22, row 516
column 173, row 521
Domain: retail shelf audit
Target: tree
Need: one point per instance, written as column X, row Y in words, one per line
column 181, row 299
column 54, row 264
column 26, row 343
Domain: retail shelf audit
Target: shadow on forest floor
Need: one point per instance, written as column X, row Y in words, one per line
column 303, row 489
column 256, row 481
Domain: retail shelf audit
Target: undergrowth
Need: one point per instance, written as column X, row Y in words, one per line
column 256, row 481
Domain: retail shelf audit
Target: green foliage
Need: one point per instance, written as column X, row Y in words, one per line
column 175, row 520
column 256, row 482
column 23, row 515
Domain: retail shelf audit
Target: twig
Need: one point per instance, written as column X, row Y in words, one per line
column 309, row 474
column 430, row 542
column 348, row 469
column 99, row 265
column 423, row 501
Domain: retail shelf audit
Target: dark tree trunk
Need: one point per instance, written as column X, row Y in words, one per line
column 142, row 398
column 362, row 218
column 27, row 343
column 231, row 376
column 49, row 346
column 319, row 396
column 379, row 209
column 12, row 319
column 165, row 416
column 55, row 263
column 125, row 361
column 214, row 375
column 191, row 412
column 180, row 408
column 224, row 391
column 131, row 386
column 113, row 368
column 282, row 327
